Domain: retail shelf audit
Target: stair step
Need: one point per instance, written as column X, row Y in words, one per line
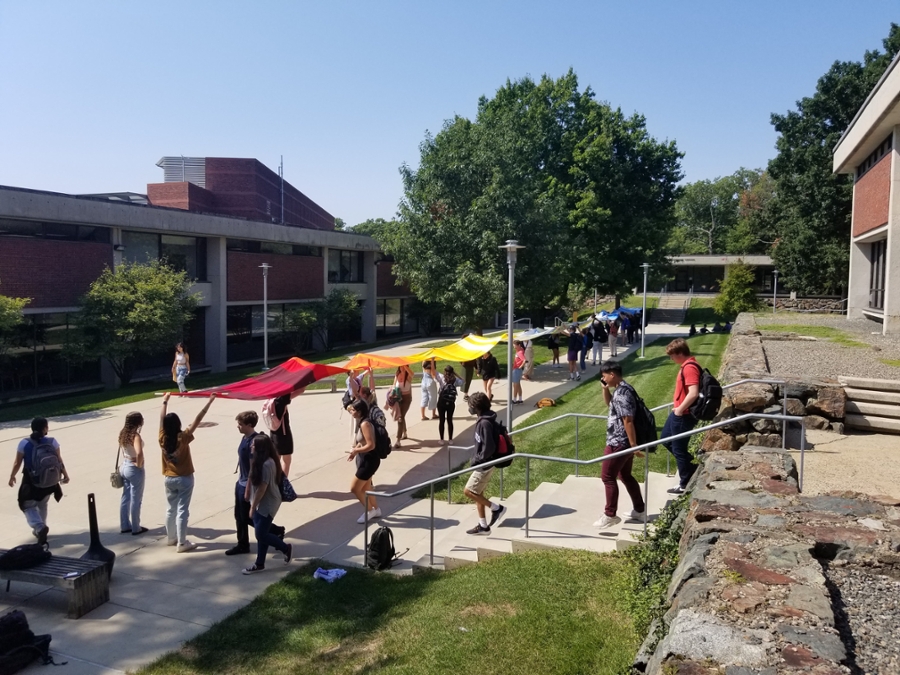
column 870, row 383
column 480, row 549
column 424, row 564
column 876, row 409
column 871, row 422
column 872, row 395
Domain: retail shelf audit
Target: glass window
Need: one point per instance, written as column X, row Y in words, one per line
column 392, row 315
column 238, row 324
column 276, row 247
column 180, row 253
column 20, row 228
column 314, row 251
column 140, row 247
column 60, row 231
column 346, row 267
column 410, row 323
column 334, row 266
column 97, row 234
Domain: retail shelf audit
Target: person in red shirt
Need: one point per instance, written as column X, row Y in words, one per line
column 680, row 420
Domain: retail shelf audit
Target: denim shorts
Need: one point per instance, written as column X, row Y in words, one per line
column 517, row 375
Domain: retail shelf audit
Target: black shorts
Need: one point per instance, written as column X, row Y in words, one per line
column 572, row 355
column 284, row 445
column 367, row 464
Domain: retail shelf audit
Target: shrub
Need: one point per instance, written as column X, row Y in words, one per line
column 736, row 293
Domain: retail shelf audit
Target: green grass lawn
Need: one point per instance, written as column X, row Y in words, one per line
column 654, row 379
column 821, row 332
column 549, row 612
column 701, row 312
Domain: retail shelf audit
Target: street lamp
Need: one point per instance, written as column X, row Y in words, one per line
column 511, row 247
column 646, row 267
column 265, row 268
column 775, row 292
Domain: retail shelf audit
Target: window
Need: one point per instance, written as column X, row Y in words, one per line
column 878, row 274
column 393, row 317
column 249, row 246
column 57, row 231
column 185, row 254
column 875, row 157
column 346, row 267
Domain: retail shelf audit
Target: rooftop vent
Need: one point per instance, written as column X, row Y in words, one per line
column 180, row 169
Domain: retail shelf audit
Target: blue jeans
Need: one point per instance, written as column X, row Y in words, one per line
column 584, row 351
column 679, row 447
column 178, row 493
column 132, row 496
column 264, row 538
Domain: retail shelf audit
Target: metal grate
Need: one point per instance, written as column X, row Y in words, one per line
column 180, row 169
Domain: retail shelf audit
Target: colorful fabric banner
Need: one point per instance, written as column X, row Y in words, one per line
column 292, row 375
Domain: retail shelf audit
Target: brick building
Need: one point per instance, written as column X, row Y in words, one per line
column 868, row 152
column 219, row 225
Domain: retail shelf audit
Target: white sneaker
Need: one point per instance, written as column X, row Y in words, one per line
column 607, row 521
column 638, row 515
column 373, row 514
column 185, row 547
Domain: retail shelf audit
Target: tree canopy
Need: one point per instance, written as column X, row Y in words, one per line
column 11, row 318
column 138, row 309
column 814, row 205
column 584, row 188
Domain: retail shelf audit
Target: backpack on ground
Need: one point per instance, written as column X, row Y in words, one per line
column 19, row 646
column 380, row 555
column 447, row 394
column 44, row 464
column 25, row 556
column 707, row 405
column 545, row 403
column 644, row 422
column 505, row 447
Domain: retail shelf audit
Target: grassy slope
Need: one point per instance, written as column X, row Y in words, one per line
column 822, row 332
column 555, row 612
column 701, row 312
column 654, row 379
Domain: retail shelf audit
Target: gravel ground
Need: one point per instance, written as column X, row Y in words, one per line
column 823, row 358
column 872, row 618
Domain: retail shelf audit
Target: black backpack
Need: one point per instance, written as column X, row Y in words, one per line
column 447, row 394
column 644, row 422
column 382, row 441
column 381, row 555
column 504, row 444
column 19, row 646
column 707, row 405
column 25, row 556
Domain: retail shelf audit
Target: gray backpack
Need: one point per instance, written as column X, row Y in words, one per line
column 45, row 466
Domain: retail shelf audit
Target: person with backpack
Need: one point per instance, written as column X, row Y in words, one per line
column 366, row 457
column 282, row 437
column 132, row 471
column 402, row 388
column 178, row 471
column 621, row 434
column 680, row 420
column 42, row 474
column 263, row 491
column 446, row 405
column 486, row 431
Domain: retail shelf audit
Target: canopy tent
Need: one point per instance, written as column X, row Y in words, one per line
column 293, row 375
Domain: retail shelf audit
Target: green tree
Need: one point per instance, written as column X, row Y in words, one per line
column 11, row 319
column 814, row 225
column 373, row 227
column 755, row 231
column 587, row 191
column 137, row 310
column 298, row 327
column 339, row 309
column 736, row 294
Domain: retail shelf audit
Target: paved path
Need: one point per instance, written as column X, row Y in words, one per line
column 159, row 598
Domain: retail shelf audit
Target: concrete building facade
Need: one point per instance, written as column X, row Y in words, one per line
column 868, row 152
column 53, row 246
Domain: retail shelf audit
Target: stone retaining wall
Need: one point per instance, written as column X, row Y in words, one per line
column 749, row 595
column 824, row 305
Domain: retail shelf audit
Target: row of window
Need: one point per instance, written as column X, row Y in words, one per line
column 393, row 317
column 58, row 231
column 346, row 267
column 878, row 274
column 875, row 157
column 185, row 254
column 250, row 246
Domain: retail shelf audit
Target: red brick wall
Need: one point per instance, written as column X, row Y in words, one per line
column 291, row 277
column 51, row 273
column 871, row 197
column 249, row 189
column 186, row 196
column 387, row 287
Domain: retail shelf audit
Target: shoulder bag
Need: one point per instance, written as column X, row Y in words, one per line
column 115, row 478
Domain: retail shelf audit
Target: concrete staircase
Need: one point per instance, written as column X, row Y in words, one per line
column 873, row 405
column 561, row 517
column 671, row 309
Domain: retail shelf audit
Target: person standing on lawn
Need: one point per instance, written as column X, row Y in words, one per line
column 620, row 435
column 485, row 450
column 680, row 420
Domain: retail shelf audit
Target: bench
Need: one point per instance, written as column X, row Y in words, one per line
column 86, row 581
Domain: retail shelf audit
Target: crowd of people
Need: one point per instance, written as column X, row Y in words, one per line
column 264, row 459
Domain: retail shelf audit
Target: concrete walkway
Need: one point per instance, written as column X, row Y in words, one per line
column 158, row 598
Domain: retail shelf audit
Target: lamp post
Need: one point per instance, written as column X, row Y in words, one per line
column 646, row 267
column 511, row 247
column 775, row 292
column 265, row 268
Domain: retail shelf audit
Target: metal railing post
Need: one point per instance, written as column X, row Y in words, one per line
column 802, row 453
column 784, row 423
column 431, row 541
column 501, row 485
column 576, row 444
column 646, row 489
column 366, row 533
column 527, row 491
column 668, row 460
column 449, row 471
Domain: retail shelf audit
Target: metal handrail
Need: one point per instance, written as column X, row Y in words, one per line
column 584, row 462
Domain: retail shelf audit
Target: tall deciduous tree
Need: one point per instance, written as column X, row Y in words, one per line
column 137, row 310
column 585, row 189
column 815, row 205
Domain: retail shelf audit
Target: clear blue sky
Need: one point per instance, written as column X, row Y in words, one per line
column 94, row 93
